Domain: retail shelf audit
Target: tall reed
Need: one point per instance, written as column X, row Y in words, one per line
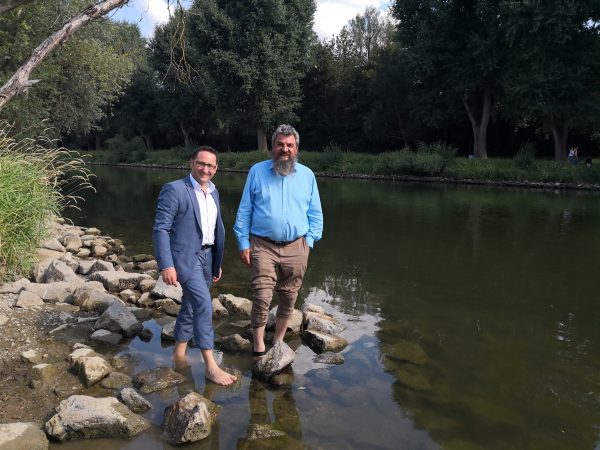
column 37, row 180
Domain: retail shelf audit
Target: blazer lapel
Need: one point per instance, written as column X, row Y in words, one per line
column 194, row 200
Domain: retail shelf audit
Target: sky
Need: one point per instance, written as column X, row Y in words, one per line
column 330, row 17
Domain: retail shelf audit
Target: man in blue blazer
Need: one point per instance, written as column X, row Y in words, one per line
column 189, row 240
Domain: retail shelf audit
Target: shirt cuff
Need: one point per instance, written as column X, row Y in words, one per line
column 243, row 244
column 309, row 240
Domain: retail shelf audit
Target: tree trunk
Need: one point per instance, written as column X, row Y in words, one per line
column 7, row 5
column 186, row 136
column 401, row 126
column 98, row 141
column 17, row 84
column 262, row 139
column 559, row 136
column 480, row 124
column 148, row 141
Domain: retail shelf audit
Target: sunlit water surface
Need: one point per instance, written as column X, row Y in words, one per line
column 499, row 287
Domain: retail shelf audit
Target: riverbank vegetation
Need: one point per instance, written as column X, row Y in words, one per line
column 435, row 160
column 37, row 180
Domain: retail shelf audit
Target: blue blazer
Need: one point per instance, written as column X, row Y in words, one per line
column 177, row 233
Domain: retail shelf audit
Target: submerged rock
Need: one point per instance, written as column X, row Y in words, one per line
column 236, row 344
column 294, row 324
column 321, row 342
column 156, row 379
column 406, row 351
column 83, row 417
column 119, row 319
column 411, row 377
column 258, row 431
column 134, row 401
column 190, row 419
column 322, row 323
column 329, row 358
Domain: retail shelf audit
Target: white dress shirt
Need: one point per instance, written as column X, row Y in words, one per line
column 208, row 211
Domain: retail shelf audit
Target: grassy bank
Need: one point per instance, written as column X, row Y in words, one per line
column 436, row 160
column 33, row 189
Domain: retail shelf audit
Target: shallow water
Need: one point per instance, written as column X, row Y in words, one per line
column 499, row 288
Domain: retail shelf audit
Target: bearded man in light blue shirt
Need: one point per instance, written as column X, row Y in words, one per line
column 279, row 219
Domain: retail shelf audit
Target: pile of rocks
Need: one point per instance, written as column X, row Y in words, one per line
column 84, row 278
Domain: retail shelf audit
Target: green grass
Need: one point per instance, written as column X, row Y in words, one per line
column 36, row 181
column 434, row 160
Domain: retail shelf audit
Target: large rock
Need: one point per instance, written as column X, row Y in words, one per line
column 294, row 324
column 322, row 323
column 22, row 436
column 114, row 281
column 70, row 261
column 237, row 306
column 167, row 306
column 92, row 299
column 80, row 351
column 116, row 380
column 134, row 401
column 58, row 292
column 190, row 419
column 27, row 300
column 411, row 377
column 95, row 265
column 59, row 271
column 276, row 359
column 44, row 372
column 32, row 356
column 130, row 296
column 236, row 344
column 164, row 290
column 322, row 342
column 142, row 257
column 168, row 331
column 156, row 379
column 147, row 265
column 83, row 417
column 146, row 285
column 119, row 319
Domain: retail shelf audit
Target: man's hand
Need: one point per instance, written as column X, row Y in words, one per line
column 245, row 256
column 169, row 276
column 215, row 279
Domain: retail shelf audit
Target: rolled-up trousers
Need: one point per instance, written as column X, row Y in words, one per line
column 279, row 268
column 195, row 316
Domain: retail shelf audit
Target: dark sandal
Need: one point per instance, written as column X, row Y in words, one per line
column 258, row 354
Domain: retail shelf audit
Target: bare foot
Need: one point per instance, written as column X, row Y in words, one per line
column 219, row 376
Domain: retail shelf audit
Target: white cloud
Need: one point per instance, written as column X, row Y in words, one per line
column 332, row 15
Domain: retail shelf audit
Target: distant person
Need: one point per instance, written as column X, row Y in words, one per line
column 572, row 157
column 588, row 161
column 279, row 219
column 188, row 240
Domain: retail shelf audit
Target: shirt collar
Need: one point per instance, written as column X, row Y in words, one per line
column 197, row 187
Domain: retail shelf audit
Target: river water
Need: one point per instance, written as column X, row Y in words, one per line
column 499, row 287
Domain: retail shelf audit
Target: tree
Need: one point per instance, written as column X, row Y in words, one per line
column 553, row 74
column 255, row 53
column 457, row 51
column 18, row 83
column 79, row 82
column 364, row 35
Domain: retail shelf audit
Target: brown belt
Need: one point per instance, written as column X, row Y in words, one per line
column 277, row 243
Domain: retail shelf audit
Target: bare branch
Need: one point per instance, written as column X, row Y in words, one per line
column 17, row 84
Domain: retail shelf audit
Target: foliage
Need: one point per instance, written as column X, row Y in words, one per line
column 77, row 82
column 36, row 181
column 525, row 157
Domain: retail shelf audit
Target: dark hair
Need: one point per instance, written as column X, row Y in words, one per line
column 204, row 148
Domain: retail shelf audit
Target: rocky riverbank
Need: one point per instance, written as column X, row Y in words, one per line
column 63, row 348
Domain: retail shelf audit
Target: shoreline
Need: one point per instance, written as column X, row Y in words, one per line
column 532, row 185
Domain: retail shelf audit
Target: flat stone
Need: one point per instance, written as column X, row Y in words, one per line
column 114, row 281
column 321, row 342
column 322, row 323
column 168, row 306
column 236, row 344
column 311, row 307
column 164, row 290
column 134, row 401
column 259, row 431
column 142, row 257
column 92, row 369
column 411, row 377
column 58, row 292
column 156, row 379
column 32, row 356
column 147, row 265
column 22, row 436
column 237, row 306
column 116, row 380
column 94, row 265
column 44, row 372
column 59, row 271
column 27, row 300
column 53, row 244
column 83, row 417
column 106, row 337
column 14, row 288
column 329, row 358
column 93, row 300
column 406, row 351
column 93, row 231
column 141, row 314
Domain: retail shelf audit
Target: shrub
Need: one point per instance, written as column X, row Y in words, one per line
column 36, row 181
column 525, row 157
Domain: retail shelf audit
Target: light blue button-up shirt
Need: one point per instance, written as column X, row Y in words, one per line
column 279, row 208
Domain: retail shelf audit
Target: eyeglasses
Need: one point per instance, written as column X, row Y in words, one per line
column 204, row 165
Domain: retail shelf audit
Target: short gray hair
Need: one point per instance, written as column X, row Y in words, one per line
column 286, row 130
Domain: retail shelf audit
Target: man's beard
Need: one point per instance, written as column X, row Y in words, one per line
column 285, row 166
